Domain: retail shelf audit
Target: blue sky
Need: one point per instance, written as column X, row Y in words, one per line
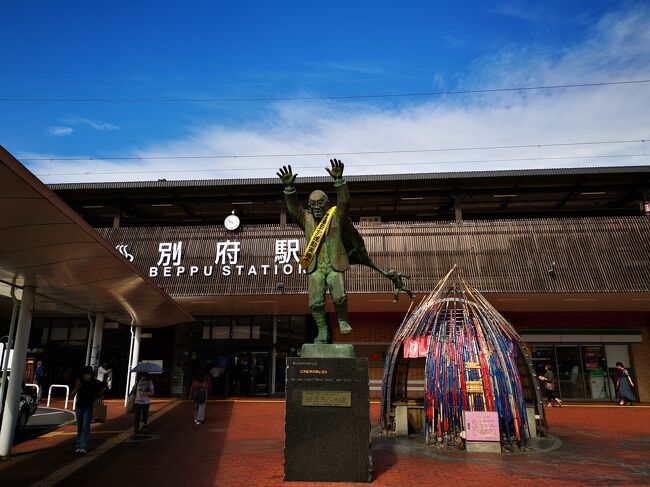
column 98, row 49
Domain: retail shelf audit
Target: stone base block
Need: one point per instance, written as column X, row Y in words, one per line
column 482, row 447
column 326, row 350
column 327, row 421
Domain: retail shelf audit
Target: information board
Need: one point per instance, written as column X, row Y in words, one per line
column 481, row 426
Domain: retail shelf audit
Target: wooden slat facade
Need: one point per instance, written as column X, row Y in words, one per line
column 591, row 255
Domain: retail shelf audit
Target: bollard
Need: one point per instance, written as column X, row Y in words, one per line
column 60, row 386
column 38, row 390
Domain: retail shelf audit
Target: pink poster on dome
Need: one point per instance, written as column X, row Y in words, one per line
column 411, row 347
column 481, row 426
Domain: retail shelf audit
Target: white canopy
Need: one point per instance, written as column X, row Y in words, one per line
column 46, row 244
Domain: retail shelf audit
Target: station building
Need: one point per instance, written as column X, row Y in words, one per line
column 564, row 254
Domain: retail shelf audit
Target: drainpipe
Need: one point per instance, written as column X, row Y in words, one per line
column 90, row 339
column 98, row 333
column 128, row 368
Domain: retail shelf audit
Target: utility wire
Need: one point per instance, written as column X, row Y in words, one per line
column 327, row 154
column 236, row 169
column 315, row 98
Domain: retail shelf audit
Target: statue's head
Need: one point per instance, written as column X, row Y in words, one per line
column 319, row 203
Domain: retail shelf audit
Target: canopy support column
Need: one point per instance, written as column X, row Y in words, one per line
column 8, row 347
column 12, row 403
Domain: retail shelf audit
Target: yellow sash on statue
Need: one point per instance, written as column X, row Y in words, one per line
column 315, row 240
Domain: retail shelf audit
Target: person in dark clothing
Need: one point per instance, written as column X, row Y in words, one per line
column 624, row 386
column 549, row 386
column 86, row 391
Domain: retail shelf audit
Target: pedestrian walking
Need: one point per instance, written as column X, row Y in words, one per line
column 105, row 374
column 86, row 391
column 143, row 391
column 39, row 379
column 548, row 379
column 217, row 374
column 199, row 391
column 624, row 386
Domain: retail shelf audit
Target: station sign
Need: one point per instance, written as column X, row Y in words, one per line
column 226, row 259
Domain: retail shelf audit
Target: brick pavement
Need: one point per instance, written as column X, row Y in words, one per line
column 241, row 444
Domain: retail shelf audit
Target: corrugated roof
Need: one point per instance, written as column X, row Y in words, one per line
column 354, row 178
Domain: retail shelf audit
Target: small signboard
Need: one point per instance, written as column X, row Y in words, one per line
column 481, row 426
column 474, row 387
column 342, row 399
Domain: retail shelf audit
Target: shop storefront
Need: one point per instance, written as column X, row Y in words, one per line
column 245, row 355
column 584, row 361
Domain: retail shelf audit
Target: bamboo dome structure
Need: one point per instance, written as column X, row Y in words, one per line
column 474, row 360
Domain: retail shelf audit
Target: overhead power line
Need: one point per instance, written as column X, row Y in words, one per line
column 334, row 153
column 419, row 163
column 314, row 98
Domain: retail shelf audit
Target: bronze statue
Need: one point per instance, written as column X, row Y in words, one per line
column 333, row 244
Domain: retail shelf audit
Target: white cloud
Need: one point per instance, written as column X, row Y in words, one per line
column 522, row 10
column 617, row 48
column 94, row 124
column 59, row 131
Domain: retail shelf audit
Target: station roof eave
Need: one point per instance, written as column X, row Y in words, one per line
column 47, row 245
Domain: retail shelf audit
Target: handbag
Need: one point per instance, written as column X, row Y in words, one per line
column 130, row 404
column 99, row 410
column 550, row 386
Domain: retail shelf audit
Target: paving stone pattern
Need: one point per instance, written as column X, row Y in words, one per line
column 241, row 444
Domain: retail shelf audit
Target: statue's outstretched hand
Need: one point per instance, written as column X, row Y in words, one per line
column 398, row 283
column 336, row 171
column 288, row 178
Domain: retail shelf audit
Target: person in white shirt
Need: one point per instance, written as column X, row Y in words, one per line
column 143, row 390
column 104, row 374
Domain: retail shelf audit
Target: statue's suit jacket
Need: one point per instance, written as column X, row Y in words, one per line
column 333, row 240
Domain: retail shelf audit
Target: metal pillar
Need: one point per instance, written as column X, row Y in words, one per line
column 12, row 403
column 283, row 216
column 274, row 351
column 457, row 205
column 8, row 348
column 98, row 333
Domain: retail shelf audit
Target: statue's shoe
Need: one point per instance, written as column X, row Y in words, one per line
column 344, row 327
column 321, row 337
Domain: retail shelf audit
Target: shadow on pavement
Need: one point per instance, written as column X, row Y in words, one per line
column 42, row 422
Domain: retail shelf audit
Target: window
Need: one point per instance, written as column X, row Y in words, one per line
column 59, row 334
column 220, row 332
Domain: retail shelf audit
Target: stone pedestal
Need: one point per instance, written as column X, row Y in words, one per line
column 483, row 447
column 327, row 422
column 532, row 421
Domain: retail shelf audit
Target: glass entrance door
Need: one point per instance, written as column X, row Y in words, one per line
column 250, row 373
column 570, row 374
column 260, row 374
